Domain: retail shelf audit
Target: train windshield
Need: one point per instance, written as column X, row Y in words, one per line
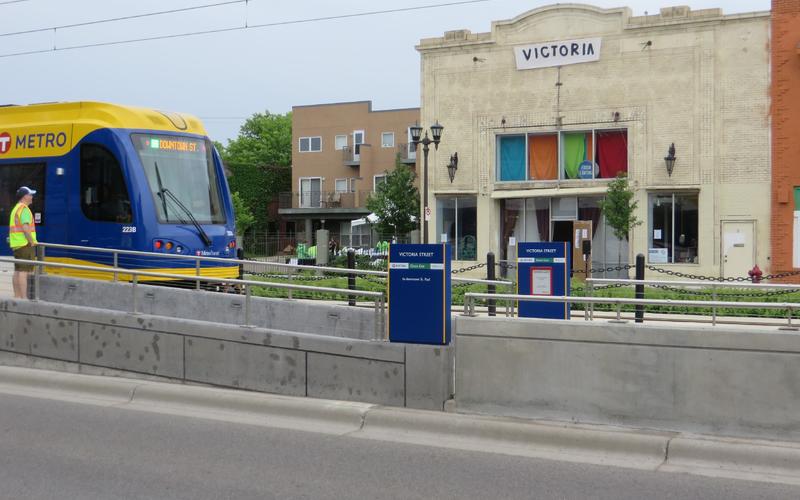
column 182, row 177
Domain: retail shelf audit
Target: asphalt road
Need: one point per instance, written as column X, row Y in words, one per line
column 56, row 450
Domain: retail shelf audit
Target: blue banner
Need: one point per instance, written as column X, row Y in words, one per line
column 544, row 268
column 419, row 294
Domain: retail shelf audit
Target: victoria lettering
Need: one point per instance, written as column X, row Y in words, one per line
column 542, row 55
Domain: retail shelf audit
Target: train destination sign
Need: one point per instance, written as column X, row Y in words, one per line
column 164, row 143
column 548, row 54
column 419, row 294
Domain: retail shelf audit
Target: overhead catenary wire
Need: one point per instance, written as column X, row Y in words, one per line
column 13, row 1
column 55, row 48
column 122, row 18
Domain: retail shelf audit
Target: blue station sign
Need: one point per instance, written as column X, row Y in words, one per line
column 419, row 294
column 544, row 269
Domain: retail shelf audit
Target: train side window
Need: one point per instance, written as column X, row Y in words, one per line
column 12, row 176
column 104, row 196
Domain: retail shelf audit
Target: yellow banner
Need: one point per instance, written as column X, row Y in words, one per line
column 35, row 141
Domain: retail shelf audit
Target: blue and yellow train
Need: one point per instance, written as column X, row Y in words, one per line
column 118, row 177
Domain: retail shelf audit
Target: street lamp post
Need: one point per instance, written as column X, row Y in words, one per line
column 436, row 133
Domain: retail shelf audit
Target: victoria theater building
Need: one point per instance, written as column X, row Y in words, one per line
column 547, row 108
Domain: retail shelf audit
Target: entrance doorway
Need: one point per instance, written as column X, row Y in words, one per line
column 738, row 248
column 575, row 232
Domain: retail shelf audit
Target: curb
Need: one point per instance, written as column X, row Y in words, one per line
column 735, row 458
column 638, row 450
column 743, row 459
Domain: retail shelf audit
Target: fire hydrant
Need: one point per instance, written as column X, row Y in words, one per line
column 755, row 274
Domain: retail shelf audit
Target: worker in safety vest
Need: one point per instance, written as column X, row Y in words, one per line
column 22, row 239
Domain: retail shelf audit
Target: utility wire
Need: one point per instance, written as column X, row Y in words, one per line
column 123, row 18
column 13, row 1
column 241, row 28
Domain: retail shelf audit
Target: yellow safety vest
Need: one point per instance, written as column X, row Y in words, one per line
column 16, row 234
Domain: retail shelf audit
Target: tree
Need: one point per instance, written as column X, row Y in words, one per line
column 396, row 202
column 258, row 162
column 619, row 206
column 244, row 217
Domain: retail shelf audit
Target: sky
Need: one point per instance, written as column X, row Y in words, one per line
column 225, row 77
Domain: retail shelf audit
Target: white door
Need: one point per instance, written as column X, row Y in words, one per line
column 358, row 140
column 310, row 192
column 738, row 248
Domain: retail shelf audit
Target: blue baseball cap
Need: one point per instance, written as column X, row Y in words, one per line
column 24, row 191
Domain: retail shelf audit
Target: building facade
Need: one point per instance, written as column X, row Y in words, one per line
column 547, row 108
column 341, row 152
column 785, row 137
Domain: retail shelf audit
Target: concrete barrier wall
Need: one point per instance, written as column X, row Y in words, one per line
column 259, row 359
column 280, row 314
column 697, row 379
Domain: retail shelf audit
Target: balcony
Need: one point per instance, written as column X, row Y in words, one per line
column 323, row 200
column 408, row 154
column 351, row 155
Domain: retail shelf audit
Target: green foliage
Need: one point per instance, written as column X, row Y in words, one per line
column 618, row 207
column 259, row 162
column 396, row 201
column 244, row 217
column 265, row 139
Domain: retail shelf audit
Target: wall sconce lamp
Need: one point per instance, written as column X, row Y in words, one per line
column 669, row 160
column 452, row 167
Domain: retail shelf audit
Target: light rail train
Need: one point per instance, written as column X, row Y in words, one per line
column 119, row 177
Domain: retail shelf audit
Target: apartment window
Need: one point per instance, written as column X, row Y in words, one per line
column 412, row 148
column 673, row 228
column 592, row 154
column 377, row 181
column 310, row 144
column 341, row 185
column 340, row 142
column 387, row 140
column 352, row 184
column 310, row 192
column 457, row 224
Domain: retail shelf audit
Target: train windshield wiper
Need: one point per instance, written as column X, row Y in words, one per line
column 203, row 235
column 161, row 190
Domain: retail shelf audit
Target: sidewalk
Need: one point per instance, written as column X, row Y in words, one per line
column 643, row 449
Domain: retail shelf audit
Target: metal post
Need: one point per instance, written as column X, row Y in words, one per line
column 425, row 149
column 291, row 274
column 714, row 308
column 116, row 266
column 37, row 271
column 247, row 296
column 197, row 273
column 351, row 278
column 42, row 257
column 135, row 299
column 640, row 287
column 590, row 293
column 490, row 275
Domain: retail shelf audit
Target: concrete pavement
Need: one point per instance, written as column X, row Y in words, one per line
column 600, row 445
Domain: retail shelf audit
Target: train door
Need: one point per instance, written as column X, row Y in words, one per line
column 12, row 177
column 104, row 203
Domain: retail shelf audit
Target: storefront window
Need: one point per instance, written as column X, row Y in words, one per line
column 673, row 228
column 457, row 224
column 585, row 155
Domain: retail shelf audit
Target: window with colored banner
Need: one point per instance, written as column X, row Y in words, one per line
column 585, row 155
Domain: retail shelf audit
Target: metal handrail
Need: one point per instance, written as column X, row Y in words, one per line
column 230, row 261
column 469, row 302
column 377, row 297
column 699, row 284
column 482, row 281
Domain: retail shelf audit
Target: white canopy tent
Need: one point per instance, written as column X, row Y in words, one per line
column 371, row 218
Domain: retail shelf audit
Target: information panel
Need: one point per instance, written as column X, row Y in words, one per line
column 419, row 294
column 543, row 269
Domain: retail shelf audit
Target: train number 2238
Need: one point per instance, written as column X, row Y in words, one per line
column 128, row 229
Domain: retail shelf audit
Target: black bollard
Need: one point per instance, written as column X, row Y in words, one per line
column 640, row 288
column 351, row 278
column 490, row 275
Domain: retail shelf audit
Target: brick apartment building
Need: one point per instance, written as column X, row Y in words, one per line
column 785, row 136
column 580, row 93
column 341, row 152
